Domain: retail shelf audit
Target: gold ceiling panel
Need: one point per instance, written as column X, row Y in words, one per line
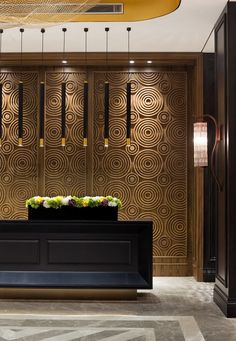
column 54, row 11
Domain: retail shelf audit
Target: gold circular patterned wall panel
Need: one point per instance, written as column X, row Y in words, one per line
column 149, row 101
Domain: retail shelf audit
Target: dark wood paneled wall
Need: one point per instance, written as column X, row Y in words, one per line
column 210, row 211
column 225, row 287
column 154, row 177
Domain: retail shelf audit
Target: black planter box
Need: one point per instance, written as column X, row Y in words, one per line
column 73, row 213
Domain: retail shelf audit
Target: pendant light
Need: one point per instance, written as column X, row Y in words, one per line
column 20, row 98
column 63, row 96
column 1, row 92
column 106, row 97
column 41, row 100
column 128, row 97
column 85, row 131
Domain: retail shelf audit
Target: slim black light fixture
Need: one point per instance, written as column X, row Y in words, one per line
column 1, row 90
column 86, row 89
column 106, row 97
column 128, row 96
column 41, row 100
column 63, row 96
column 20, row 97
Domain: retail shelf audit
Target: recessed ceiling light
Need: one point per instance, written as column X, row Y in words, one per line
column 64, row 61
column 131, row 61
column 149, row 61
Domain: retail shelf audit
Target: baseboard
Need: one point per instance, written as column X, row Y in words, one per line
column 227, row 306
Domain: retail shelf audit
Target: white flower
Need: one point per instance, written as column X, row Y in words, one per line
column 45, row 204
column 65, row 201
column 112, row 204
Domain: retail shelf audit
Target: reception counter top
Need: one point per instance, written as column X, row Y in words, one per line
column 76, row 254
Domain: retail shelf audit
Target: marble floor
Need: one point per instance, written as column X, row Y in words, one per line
column 178, row 309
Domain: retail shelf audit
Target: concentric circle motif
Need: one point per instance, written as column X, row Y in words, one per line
column 147, row 195
column 53, row 132
column 176, row 101
column 56, row 187
column 76, row 133
column 54, row 79
column 19, row 192
column 148, row 101
column 53, row 102
column 70, row 148
column 135, row 86
column 69, row 179
column 132, row 211
column 117, row 132
column 177, row 250
column 158, row 226
column 120, row 190
column 13, row 101
column 176, row 164
column 176, row 227
column 164, row 242
column 99, row 148
column 117, row 79
column 99, row 116
column 9, row 86
column 163, row 211
column 96, row 164
column 133, row 149
column 28, row 78
column 122, row 216
column 163, row 148
column 3, row 76
column 22, row 163
column 164, row 117
column 156, row 250
column 164, row 85
column 100, row 180
column 148, row 163
column 77, row 163
column 132, row 179
column 177, row 79
column 149, row 78
column 117, row 102
column 56, row 161
column 99, row 85
column 176, row 195
column 116, row 163
column 7, row 147
column 76, row 102
column 29, row 102
column 6, row 210
column 20, row 215
column 6, row 179
column 8, row 116
column 148, row 132
column 134, row 117
column 79, row 188
column 176, row 133
column 164, row 179
column 3, row 196
column 29, row 132
column 71, row 117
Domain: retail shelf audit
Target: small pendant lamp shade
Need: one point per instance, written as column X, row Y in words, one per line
column 20, row 113
column 128, row 112
column 1, row 94
column 85, row 131
column 200, row 144
column 41, row 113
column 106, row 114
column 63, row 114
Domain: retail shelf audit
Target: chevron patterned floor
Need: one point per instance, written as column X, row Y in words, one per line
column 177, row 309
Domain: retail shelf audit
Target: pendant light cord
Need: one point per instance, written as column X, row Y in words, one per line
column 21, row 45
column 128, row 49
column 42, row 51
column 64, row 47
column 107, row 46
column 86, row 51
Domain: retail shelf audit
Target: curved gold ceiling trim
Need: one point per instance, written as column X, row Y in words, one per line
column 134, row 10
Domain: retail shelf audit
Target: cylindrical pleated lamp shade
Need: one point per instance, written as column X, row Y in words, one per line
column 41, row 113
column 106, row 114
column 85, row 131
column 128, row 112
column 63, row 114
column 200, row 144
column 1, row 94
column 20, row 113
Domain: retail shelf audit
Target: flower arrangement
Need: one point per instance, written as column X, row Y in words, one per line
column 73, row 201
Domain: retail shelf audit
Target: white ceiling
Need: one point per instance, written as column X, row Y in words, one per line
column 185, row 30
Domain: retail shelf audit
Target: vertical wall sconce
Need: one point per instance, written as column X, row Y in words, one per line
column 86, row 89
column 1, row 91
column 41, row 101
column 20, row 100
column 200, row 142
column 63, row 97
column 128, row 97
column 106, row 98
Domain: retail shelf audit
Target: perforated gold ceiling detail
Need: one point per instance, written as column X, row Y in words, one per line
column 54, row 11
